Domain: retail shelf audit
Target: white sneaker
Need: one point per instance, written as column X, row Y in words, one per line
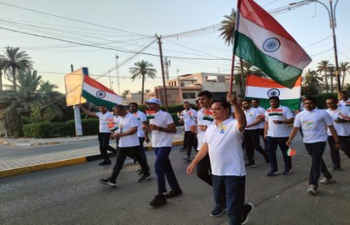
column 312, row 189
column 325, row 180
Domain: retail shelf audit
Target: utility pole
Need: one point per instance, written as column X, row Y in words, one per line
column 162, row 67
column 77, row 117
column 117, row 72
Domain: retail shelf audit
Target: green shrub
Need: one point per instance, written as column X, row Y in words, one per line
column 321, row 99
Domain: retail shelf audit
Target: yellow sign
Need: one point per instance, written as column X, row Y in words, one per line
column 74, row 86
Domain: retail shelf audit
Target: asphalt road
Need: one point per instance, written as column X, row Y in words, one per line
column 73, row 195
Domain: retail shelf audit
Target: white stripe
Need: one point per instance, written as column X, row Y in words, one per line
column 289, row 52
column 109, row 97
column 285, row 93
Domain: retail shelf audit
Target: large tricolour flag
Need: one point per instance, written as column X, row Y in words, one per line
column 262, row 41
column 263, row 88
column 98, row 94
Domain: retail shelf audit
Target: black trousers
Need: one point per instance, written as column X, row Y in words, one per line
column 133, row 152
column 103, row 139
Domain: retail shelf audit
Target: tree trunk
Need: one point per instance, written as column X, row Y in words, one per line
column 332, row 85
column 143, row 88
column 326, row 79
column 343, row 80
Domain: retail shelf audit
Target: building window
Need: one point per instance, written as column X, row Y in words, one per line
column 188, row 95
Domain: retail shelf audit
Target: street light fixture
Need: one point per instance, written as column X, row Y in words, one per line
column 333, row 24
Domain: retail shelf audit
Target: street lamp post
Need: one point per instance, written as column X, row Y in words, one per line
column 332, row 22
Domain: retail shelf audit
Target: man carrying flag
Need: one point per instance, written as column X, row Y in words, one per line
column 262, row 41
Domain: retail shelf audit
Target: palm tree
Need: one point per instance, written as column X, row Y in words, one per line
column 47, row 87
column 141, row 70
column 344, row 68
column 323, row 67
column 242, row 70
column 228, row 34
column 312, row 81
column 125, row 93
column 16, row 60
column 2, row 67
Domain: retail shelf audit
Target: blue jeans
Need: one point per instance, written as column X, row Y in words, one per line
column 317, row 166
column 143, row 151
column 234, row 195
column 271, row 143
column 163, row 168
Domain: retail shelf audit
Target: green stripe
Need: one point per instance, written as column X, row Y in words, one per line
column 98, row 101
column 275, row 114
column 292, row 104
column 280, row 72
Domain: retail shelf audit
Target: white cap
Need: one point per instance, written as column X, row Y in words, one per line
column 154, row 101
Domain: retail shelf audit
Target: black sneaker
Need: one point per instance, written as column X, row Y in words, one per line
column 250, row 165
column 272, row 173
column 287, row 172
column 145, row 178
column 336, row 168
column 108, row 182
column 247, row 208
column 158, row 200
column 217, row 211
column 106, row 162
column 174, row 193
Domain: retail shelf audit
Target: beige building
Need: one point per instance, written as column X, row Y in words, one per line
column 186, row 87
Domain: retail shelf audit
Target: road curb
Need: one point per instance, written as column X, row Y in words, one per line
column 61, row 163
column 44, row 166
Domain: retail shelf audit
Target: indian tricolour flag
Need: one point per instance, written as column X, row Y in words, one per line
column 150, row 114
column 98, row 94
column 262, row 41
column 264, row 88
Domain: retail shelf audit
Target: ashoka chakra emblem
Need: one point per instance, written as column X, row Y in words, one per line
column 271, row 44
column 100, row 94
column 273, row 92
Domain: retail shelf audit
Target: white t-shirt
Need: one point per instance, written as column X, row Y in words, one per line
column 141, row 117
column 103, row 118
column 225, row 149
column 251, row 116
column 160, row 138
column 189, row 117
column 344, row 103
column 343, row 129
column 280, row 113
column 204, row 117
column 314, row 125
column 262, row 113
column 126, row 123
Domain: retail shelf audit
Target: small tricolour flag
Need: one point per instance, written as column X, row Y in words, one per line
column 264, row 88
column 262, row 41
column 150, row 114
column 96, row 93
column 208, row 115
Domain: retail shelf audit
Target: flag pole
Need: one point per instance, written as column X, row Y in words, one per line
column 234, row 46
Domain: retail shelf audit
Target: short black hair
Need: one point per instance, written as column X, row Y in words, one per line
column 332, row 98
column 133, row 103
column 224, row 104
column 255, row 99
column 205, row 93
column 247, row 100
column 120, row 107
column 343, row 92
column 274, row 98
column 310, row 98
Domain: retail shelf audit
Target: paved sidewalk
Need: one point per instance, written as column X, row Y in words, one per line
column 37, row 162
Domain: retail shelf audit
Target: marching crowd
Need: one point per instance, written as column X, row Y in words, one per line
column 223, row 133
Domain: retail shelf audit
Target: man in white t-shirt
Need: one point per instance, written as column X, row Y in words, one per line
column 251, row 133
column 341, row 122
column 162, row 128
column 128, row 144
column 314, row 123
column 277, row 119
column 344, row 100
column 141, row 117
column 188, row 118
column 104, row 132
column 256, row 105
column 223, row 142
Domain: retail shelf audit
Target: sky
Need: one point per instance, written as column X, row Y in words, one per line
column 106, row 34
